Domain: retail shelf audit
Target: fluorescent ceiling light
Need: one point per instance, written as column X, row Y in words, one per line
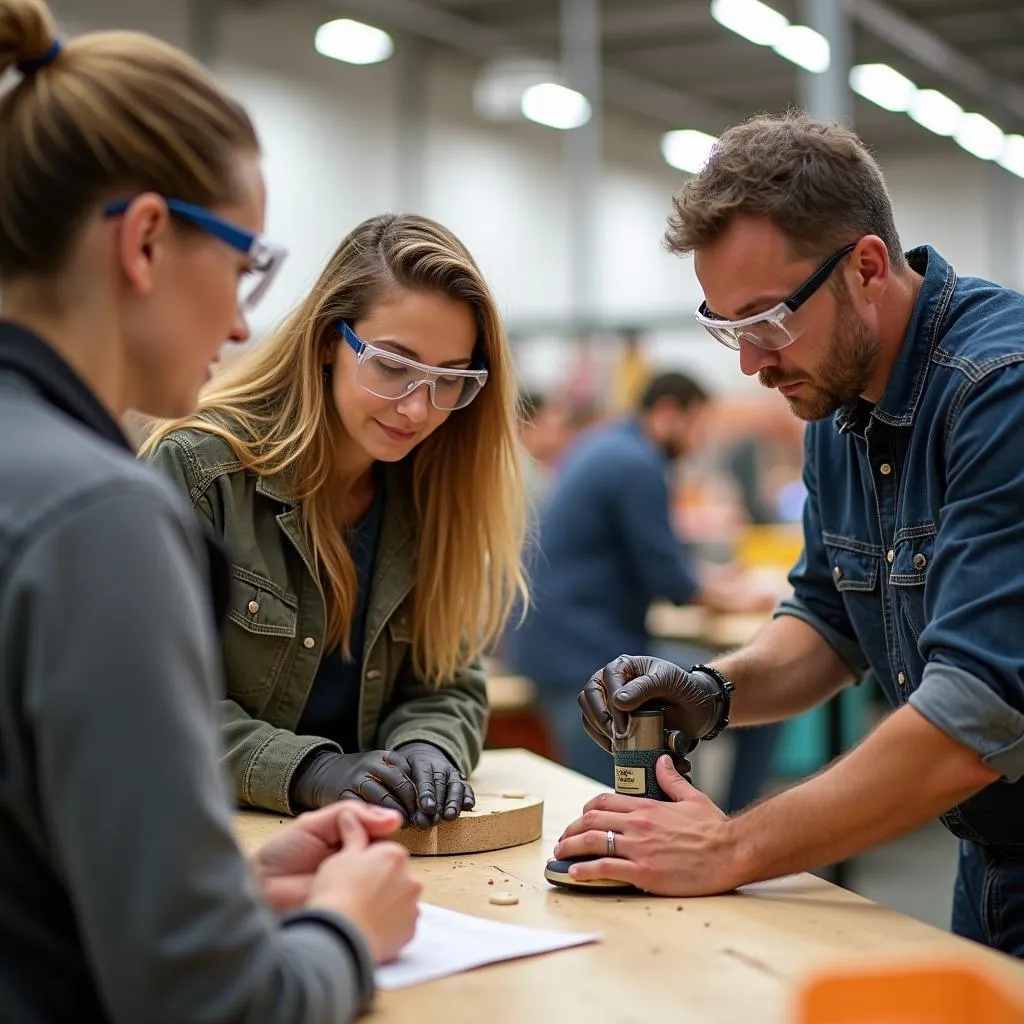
column 556, row 106
column 804, row 47
column 935, row 111
column 1012, row 156
column 763, row 25
column 353, row 42
column 751, row 19
column 979, row 136
column 687, row 149
column 883, row 85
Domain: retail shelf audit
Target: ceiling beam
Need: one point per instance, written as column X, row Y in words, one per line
column 635, row 22
column 470, row 4
column 426, row 20
column 621, row 88
column 933, row 52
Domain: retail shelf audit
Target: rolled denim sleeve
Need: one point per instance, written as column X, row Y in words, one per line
column 973, row 641
column 815, row 599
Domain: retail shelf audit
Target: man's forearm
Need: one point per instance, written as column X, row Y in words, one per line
column 785, row 670
column 904, row 774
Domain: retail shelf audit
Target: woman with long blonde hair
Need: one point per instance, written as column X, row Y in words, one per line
column 361, row 464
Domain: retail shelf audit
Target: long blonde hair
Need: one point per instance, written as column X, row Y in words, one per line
column 273, row 408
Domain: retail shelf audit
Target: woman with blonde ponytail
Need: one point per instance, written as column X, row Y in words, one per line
column 131, row 206
column 361, row 465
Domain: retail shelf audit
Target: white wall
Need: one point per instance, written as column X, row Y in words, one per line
column 332, row 150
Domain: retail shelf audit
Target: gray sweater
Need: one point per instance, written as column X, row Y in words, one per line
column 123, row 896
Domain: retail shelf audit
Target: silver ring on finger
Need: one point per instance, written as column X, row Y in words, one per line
column 609, row 840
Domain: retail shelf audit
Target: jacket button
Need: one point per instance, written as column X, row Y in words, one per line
column 901, row 678
column 837, row 573
column 309, row 643
column 254, row 607
column 885, row 469
column 890, row 555
column 920, row 562
column 373, row 673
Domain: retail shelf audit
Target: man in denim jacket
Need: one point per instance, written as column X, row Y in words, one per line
column 912, row 382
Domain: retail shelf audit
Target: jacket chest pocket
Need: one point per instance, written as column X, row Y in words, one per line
column 911, row 560
column 260, row 631
column 855, row 567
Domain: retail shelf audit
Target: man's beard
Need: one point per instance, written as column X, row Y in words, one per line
column 849, row 369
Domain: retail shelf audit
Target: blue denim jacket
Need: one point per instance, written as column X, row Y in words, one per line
column 914, row 533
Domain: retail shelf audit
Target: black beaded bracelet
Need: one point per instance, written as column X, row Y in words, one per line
column 726, row 689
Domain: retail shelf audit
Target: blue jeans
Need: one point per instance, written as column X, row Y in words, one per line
column 988, row 900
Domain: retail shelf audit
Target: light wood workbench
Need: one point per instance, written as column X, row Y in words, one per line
column 722, row 960
column 696, row 625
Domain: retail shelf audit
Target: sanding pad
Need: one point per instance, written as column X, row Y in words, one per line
column 557, row 873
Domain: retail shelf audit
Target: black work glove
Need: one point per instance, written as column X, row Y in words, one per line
column 442, row 792
column 377, row 776
column 696, row 703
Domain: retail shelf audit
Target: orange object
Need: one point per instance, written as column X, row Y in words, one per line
column 947, row 992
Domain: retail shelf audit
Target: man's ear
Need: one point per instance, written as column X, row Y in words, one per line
column 870, row 263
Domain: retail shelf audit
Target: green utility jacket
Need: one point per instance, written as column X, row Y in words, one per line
column 274, row 635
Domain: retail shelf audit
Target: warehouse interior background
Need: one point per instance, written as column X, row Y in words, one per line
column 564, row 202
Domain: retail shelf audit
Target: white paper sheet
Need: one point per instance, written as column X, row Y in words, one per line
column 447, row 942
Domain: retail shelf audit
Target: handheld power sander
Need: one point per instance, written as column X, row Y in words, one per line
column 636, row 753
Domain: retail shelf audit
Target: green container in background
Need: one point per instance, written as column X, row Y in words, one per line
column 802, row 747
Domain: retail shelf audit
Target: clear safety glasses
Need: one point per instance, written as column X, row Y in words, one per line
column 772, row 329
column 389, row 375
column 266, row 256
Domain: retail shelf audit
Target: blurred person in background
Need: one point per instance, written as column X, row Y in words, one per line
column 764, row 459
column 546, row 431
column 361, row 465
column 632, row 374
column 606, row 550
column 131, row 206
column 910, row 379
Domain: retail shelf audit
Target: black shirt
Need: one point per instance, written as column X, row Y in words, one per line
column 332, row 710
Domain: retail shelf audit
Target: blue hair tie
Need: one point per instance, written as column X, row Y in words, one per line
column 30, row 67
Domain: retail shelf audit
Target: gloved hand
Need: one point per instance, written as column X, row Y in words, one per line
column 377, row 776
column 441, row 790
column 695, row 703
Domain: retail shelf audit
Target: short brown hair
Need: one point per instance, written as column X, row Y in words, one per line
column 815, row 180
column 112, row 111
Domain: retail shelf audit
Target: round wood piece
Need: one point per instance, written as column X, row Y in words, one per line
column 497, row 822
column 504, row 899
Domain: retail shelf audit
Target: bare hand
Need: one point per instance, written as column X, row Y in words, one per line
column 370, row 885
column 670, row 849
column 285, row 866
